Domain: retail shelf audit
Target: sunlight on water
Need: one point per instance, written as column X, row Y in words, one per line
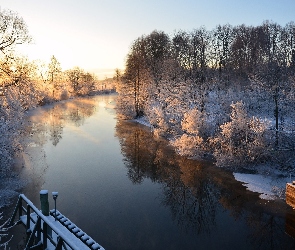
column 102, row 104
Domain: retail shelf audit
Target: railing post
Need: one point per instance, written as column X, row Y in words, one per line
column 59, row 243
column 20, row 207
column 28, row 227
column 39, row 229
column 44, row 235
column 44, row 202
column 28, row 224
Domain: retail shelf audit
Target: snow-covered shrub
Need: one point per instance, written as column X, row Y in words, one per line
column 191, row 143
column 241, row 140
column 188, row 145
column 125, row 107
column 194, row 122
column 158, row 120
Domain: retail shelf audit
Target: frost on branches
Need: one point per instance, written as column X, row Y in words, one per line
column 242, row 140
column 11, row 114
column 190, row 143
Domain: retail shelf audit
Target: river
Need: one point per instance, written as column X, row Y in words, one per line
column 129, row 190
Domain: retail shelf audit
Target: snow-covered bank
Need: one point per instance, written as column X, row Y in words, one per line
column 270, row 187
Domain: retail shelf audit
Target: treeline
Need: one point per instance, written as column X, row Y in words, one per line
column 25, row 84
column 227, row 92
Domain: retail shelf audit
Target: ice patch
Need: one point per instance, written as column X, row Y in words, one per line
column 269, row 187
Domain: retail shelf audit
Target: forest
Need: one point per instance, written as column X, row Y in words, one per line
column 25, row 84
column 225, row 94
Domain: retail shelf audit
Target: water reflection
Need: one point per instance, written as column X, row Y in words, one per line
column 51, row 119
column 201, row 196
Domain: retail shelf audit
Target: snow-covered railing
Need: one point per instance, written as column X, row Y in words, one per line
column 48, row 233
column 74, row 229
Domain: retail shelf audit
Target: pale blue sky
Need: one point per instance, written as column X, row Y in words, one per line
column 97, row 34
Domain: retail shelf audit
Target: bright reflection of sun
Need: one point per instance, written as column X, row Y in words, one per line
column 102, row 104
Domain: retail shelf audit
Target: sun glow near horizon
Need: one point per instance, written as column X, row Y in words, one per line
column 91, row 61
column 96, row 35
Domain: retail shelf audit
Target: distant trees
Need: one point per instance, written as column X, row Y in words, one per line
column 81, row 82
column 242, row 68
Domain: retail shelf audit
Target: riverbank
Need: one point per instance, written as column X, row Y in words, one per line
column 268, row 181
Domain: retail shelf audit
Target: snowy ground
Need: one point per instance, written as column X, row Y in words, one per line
column 270, row 186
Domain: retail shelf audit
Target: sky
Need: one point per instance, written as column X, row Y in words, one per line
column 96, row 35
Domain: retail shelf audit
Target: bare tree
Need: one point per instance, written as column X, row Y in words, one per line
column 222, row 37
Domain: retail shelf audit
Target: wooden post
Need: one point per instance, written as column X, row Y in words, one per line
column 20, row 208
column 45, row 211
column 59, row 243
column 44, row 202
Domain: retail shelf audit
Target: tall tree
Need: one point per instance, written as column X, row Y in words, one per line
column 157, row 50
column 222, row 37
column 136, row 75
column 54, row 69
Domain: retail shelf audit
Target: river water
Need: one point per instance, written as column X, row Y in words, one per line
column 129, row 190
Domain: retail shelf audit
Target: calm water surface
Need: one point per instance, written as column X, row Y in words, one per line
column 128, row 190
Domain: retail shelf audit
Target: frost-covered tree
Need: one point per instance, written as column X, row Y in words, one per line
column 242, row 140
column 271, row 74
column 21, row 77
column 11, row 114
column 156, row 52
column 80, row 82
column 190, row 143
column 15, row 90
column 54, row 69
column 13, row 31
column 133, row 86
